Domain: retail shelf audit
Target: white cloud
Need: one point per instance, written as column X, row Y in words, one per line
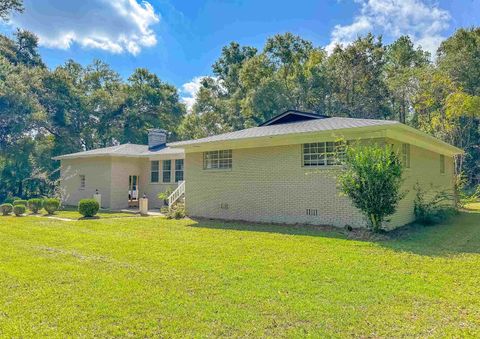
column 189, row 91
column 116, row 26
column 422, row 20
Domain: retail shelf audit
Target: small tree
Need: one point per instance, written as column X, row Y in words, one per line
column 372, row 178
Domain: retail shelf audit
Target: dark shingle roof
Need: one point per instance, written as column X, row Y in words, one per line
column 307, row 126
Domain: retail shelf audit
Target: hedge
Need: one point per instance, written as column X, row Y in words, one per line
column 51, row 205
column 35, row 205
column 18, row 210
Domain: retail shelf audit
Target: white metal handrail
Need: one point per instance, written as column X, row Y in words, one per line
column 179, row 191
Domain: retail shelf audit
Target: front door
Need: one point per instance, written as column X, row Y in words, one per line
column 133, row 191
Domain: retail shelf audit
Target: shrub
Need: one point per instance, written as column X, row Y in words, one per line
column 51, row 205
column 20, row 202
column 164, row 196
column 434, row 210
column 88, row 207
column 372, row 178
column 18, row 210
column 175, row 212
column 6, row 209
column 35, row 205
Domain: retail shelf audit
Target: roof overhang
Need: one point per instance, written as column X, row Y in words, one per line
column 396, row 131
column 151, row 155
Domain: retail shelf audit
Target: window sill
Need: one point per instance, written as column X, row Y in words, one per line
column 323, row 167
column 213, row 170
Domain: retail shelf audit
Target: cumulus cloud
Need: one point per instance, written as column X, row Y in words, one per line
column 189, row 90
column 423, row 21
column 116, row 26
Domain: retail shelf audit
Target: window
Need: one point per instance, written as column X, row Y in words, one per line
column 154, row 169
column 442, row 164
column 406, row 155
column 178, row 170
column 82, row 181
column 167, row 170
column 323, row 154
column 217, row 159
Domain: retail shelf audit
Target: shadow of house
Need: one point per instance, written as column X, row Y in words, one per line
column 458, row 235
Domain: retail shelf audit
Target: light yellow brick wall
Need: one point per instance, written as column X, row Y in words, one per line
column 97, row 173
column 110, row 177
column 424, row 169
column 268, row 184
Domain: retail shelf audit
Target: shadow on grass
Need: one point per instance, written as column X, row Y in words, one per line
column 458, row 235
column 306, row 230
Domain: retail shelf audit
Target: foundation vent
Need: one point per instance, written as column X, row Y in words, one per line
column 311, row 212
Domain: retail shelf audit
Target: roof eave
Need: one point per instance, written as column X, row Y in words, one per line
column 377, row 131
column 403, row 132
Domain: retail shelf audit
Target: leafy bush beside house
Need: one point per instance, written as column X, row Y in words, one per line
column 88, row 207
column 164, row 196
column 372, row 179
column 51, row 205
column 6, row 209
column 18, row 210
column 432, row 208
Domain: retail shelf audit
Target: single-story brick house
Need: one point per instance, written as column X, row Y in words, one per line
column 282, row 171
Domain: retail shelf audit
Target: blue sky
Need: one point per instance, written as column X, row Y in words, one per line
column 179, row 40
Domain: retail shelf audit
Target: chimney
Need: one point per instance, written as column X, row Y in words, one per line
column 156, row 138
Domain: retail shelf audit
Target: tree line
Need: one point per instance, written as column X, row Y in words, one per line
column 46, row 112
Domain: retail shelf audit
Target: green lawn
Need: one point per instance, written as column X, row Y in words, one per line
column 70, row 212
column 146, row 277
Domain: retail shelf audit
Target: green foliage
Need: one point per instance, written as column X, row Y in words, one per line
column 18, row 210
column 35, row 204
column 372, row 178
column 432, row 208
column 20, row 202
column 9, row 6
column 88, row 207
column 51, row 205
column 177, row 211
column 164, row 195
column 6, row 208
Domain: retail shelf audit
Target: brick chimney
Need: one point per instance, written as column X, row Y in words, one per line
column 156, row 138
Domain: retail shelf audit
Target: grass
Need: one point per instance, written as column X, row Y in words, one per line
column 144, row 277
column 70, row 212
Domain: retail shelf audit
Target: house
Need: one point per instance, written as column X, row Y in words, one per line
column 282, row 171
column 122, row 174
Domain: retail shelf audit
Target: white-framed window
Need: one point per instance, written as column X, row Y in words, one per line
column 166, row 171
column 154, row 171
column 178, row 170
column 221, row 159
column 442, row 164
column 322, row 153
column 82, row 181
column 406, row 155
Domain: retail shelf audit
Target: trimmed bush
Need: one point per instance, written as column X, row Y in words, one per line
column 51, row 205
column 20, row 202
column 88, row 207
column 18, row 210
column 6, row 209
column 35, row 205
